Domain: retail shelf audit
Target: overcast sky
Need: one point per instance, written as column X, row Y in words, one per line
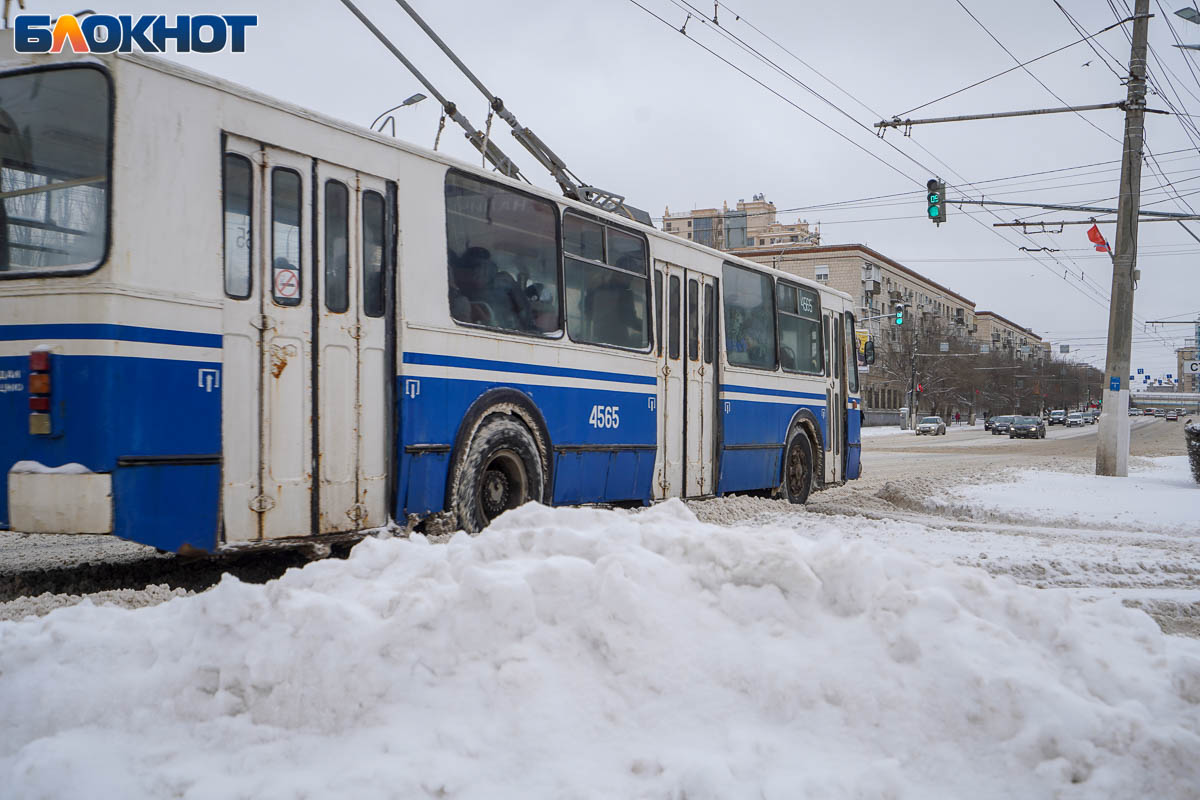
column 634, row 106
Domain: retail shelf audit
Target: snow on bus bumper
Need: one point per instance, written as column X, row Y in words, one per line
column 38, row 495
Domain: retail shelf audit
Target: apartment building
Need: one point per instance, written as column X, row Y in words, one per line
column 752, row 224
column 1183, row 381
column 1005, row 336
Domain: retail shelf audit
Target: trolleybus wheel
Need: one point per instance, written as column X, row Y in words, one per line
column 798, row 468
column 502, row 470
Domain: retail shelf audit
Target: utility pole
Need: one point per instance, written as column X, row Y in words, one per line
column 914, row 399
column 1112, row 450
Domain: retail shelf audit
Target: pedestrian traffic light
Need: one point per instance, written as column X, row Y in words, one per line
column 935, row 205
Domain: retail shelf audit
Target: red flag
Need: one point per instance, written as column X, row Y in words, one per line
column 1097, row 239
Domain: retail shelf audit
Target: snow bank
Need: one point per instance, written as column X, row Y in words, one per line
column 583, row 653
column 1161, row 497
column 38, row 468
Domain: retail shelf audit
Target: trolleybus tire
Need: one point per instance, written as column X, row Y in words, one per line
column 798, row 467
column 501, row 470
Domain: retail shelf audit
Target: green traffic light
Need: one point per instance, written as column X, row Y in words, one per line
column 899, row 318
column 934, row 211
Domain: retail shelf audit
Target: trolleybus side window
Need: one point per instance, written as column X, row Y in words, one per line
column 237, row 185
column 828, row 363
column 693, row 320
column 337, row 247
column 749, row 317
column 607, row 281
column 852, row 356
column 710, row 324
column 673, row 319
column 286, row 265
column 55, row 139
column 658, row 309
column 374, row 253
column 502, row 257
column 799, row 329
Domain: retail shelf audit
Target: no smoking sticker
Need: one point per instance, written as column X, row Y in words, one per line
column 287, row 283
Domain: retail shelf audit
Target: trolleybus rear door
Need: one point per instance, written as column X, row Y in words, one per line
column 336, row 368
column 351, row 412
column 377, row 226
column 286, row 501
column 241, row 316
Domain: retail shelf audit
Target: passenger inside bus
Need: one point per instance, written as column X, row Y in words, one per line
column 482, row 293
column 544, row 307
column 610, row 307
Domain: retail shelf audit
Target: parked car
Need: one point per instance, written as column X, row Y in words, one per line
column 1027, row 428
column 933, row 426
column 1058, row 418
column 1001, row 424
column 1135, row 412
column 1172, row 415
column 1160, row 412
column 1075, row 419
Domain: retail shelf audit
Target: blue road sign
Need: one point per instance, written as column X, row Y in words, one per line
column 1140, row 370
column 1114, row 383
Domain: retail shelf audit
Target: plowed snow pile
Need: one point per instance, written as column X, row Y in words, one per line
column 1159, row 495
column 582, row 653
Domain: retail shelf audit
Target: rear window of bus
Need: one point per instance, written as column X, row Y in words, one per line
column 55, row 160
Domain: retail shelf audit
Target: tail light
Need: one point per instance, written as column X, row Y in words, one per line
column 40, row 423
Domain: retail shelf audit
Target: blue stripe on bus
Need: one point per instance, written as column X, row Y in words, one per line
column 435, row 360
column 123, row 333
column 727, row 387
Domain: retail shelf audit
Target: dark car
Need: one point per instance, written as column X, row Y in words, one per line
column 1001, row 424
column 1027, row 428
column 1058, row 417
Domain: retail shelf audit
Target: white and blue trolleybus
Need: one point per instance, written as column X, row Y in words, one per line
column 225, row 319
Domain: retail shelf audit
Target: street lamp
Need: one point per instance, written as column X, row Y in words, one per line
column 1190, row 14
column 410, row 101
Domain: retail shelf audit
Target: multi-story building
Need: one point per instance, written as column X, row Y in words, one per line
column 1183, row 381
column 751, row 224
column 1005, row 336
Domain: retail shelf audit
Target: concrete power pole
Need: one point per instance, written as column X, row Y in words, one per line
column 1112, row 451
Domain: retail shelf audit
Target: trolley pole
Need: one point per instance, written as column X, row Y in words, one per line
column 1112, row 450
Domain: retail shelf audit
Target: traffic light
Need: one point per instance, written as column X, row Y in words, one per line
column 935, row 201
column 899, row 313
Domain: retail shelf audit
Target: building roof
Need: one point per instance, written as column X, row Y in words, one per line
column 1008, row 322
column 746, row 252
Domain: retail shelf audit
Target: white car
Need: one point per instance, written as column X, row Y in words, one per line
column 1074, row 418
column 934, row 426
